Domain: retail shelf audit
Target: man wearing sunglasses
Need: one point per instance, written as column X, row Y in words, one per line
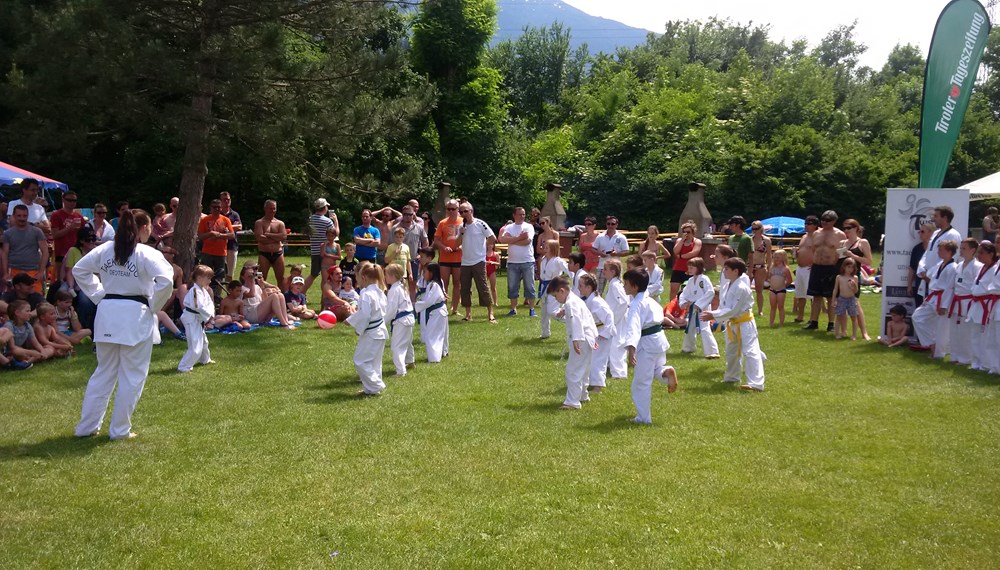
column 66, row 222
column 607, row 245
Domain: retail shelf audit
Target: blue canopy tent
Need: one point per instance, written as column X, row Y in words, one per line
column 11, row 176
column 784, row 225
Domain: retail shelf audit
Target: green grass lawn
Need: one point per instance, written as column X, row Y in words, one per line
column 856, row 456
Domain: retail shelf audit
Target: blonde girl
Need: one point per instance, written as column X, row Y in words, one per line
column 780, row 278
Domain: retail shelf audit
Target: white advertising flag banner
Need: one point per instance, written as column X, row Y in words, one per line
column 905, row 210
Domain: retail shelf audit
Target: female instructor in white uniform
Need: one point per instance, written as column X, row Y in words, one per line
column 124, row 278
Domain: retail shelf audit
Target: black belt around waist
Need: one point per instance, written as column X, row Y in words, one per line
column 136, row 298
column 190, row 310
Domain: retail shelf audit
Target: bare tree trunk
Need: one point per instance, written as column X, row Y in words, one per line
column 195, row 167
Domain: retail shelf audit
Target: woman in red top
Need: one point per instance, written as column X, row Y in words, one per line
column 685, row 248
column 586, row 242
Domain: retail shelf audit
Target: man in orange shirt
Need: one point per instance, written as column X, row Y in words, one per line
column 215, row 231
column 449, row 252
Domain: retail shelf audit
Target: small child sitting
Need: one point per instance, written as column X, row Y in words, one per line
column 46, row 333
column 231, row 309
column 896, row 330
column 5, row 337
column 295, row 300
column 23, row 345
column 347, row 292
column 67, row 323
column 293, row 272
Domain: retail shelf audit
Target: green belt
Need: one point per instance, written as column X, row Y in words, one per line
column 651, row 330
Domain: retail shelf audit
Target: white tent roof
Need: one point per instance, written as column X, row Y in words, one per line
column 984, row 187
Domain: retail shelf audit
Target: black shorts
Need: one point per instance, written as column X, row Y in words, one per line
column 450, row 264
column 316, row 265
column 821, row 280
column 271, row 256
column 679, row 276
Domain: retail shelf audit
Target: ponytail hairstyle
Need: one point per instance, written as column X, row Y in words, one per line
column 127, row 236
column 434, row 270
column 371, row 274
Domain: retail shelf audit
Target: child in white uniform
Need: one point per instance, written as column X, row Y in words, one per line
column 618, row 301
column 736, row 309
column 958, row 311
column 199, row 308
column 696, row 297
column 979, row 309
column 399, row 311
column 575, row 264
column 642, row 335
column 433, row 311
column 655, row 275
column 604, row 320
column 992, row 334
column 552, row 266
column 369, row 323
column 581, row 334
column 930, row 320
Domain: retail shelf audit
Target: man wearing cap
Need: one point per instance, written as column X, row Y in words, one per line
column 66, row 222
column 804, row 260
column 271, row 235
column 215, row 231
column 475, row 238
column 607, row 245
column 823, row 274
column 36, row 212
column 319, row 223
column 740, row 241
column 25, row 249
column 24, row 289
column 232, row 246
column 367, row 238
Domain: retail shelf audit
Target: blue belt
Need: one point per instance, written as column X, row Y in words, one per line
column 543, row 286
column 693, row 319
column 434, row 307
column 374, row 325
column 398, row 316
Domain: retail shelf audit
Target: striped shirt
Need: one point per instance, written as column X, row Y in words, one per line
column 318, row 225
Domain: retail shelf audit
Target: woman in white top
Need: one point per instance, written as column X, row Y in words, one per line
column 260, row 305
column 102, row 227
column 125, row 278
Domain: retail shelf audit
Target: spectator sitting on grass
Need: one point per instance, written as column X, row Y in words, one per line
column 295, row 300
column 231, row 309
column 24, row 290
column 67, row 322
column 23, row 345
column 258, row 305
column 331, row 300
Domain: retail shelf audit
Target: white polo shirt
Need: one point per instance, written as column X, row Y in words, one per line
column 520, row 253
column 474, row 236
column 36, row 212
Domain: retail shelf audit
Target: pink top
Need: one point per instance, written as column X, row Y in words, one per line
column 589, row 254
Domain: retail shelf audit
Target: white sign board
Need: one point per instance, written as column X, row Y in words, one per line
column 905, row 210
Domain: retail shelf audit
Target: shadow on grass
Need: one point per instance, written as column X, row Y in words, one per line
column 618, row 423
column 61, row 446
column 529, row 341
column 924, row 359
column 550, row 407
column 712, row 386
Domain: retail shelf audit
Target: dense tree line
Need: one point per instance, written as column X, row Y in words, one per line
column 368, row 103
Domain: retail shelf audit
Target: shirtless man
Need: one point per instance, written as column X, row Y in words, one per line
column 804, row 260
column 271, row 234
column 825, row 242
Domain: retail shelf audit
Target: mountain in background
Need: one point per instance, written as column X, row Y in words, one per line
column 600, row 34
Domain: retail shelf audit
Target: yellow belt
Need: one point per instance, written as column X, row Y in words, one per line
column 733, row 333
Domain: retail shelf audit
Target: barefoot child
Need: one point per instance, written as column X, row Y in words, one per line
column 231, row 308
column 492, row 264
column 979, row 311
column 696, row 297
column 199, row 309
column 780, row 279
column 844, row 290
column 604, row 320
column 431, row 306
column 642, row 335
column 958, row 311
column 618, row 301
column 369, row 323
column 67, row 323
column 581, row 334
column 46, row 333
column 930, row 320
column 295, row 300
column 552, row 266
column 399, row 310
column 736, row 310
column 655, row 275
column 23, row 345
column 896, row 329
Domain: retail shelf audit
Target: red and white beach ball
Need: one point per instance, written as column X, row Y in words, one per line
column 326, row 320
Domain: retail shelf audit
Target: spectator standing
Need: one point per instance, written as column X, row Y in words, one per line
column 319, row 222
column 271, row 234
column 214, row 231
column 169, row 223
column 449, row 251
column 913, row 283
column 741, row 243
column 991, row 223
column 475, row 237
column 415, row 238
column 66, row 223
column 25, row 249
column 519, row 235
column 120, row 208
column 685, row 249
column 608, row 245
column 160, row 227
column 383, row 222
column 29, row 198
column 100, row 224
column 415, row 206
column 233, row 246
column 586, row 244
column 4, row 219
column 367, row 238
column 823, row 276
column 804, row 258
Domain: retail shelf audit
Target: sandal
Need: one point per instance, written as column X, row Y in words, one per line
column 493, row 320
column 466, row 318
